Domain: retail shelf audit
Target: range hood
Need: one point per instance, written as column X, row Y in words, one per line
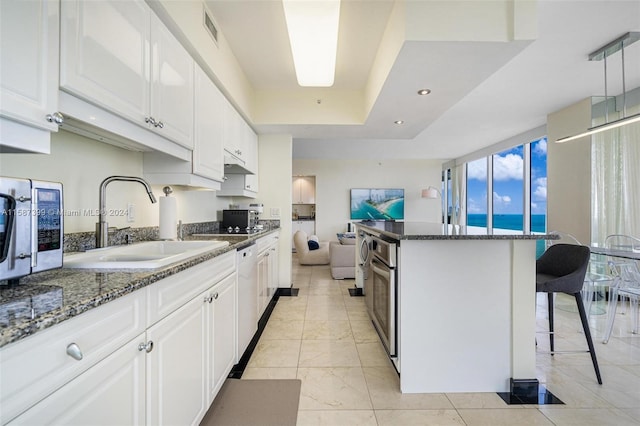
column 234, row 165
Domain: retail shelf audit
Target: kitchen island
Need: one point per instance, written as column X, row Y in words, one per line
column 465, row 307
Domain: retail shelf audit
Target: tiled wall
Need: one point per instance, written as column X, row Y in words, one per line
column 82, row 241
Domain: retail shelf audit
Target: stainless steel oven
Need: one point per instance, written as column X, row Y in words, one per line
column 383, row 292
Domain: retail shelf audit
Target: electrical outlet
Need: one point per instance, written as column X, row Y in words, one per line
column 131, row 213
column 275, row 212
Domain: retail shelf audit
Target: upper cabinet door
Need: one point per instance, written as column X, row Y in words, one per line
column 171, row 86
column 208, row 149
column 119, row 56
column 304, row 190
column 105, row 54
column 29, row 61
column 232, row 131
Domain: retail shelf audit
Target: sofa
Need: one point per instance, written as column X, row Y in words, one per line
column 320, row 256
column 343, row 260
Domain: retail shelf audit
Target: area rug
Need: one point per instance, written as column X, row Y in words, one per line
column 255, row 403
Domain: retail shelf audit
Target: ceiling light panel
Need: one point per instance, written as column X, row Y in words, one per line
column 313, row 34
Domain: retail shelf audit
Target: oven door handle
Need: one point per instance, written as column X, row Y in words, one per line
column 380, row 271
column 364, row 245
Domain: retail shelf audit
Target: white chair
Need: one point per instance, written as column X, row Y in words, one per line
column 305, row 256
column 627, row 281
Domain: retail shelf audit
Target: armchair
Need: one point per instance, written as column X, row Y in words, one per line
column 319, row 256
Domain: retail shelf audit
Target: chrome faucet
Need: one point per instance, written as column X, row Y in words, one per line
column 102, row 227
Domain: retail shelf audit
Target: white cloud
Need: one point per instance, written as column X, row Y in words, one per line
column 473, row 208
column 540, row 188
column 501, row 199
column 541, row 147
column 477, row 169
column 508, row 167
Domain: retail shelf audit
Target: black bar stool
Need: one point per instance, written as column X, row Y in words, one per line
column 561, row 269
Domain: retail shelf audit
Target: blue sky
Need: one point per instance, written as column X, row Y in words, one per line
column 508, row 186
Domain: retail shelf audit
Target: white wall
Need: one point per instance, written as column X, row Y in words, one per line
column 334, row 179
column 275, row 193
column 81, row 164
column 569, row 172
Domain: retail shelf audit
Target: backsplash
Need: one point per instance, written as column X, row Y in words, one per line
column 83, row 241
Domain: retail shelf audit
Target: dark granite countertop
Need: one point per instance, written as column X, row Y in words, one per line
column 436, row 231
column 47, row 298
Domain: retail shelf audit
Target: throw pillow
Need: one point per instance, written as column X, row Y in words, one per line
column 313, row 245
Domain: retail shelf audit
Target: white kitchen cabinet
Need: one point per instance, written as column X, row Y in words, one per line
column 233, row 132
column 172, row 85
column 267, row 271
column 244, row 185
column 263, row 281
column 156, row 356
column 208, row 153
column 140, row 72
column 33, row 368
column 304, row 190
column 251, row 146
column 206, row 166
column 222, row 314
column 111, row 393
column 176, row 370
column 29, row 46
column 274, row 267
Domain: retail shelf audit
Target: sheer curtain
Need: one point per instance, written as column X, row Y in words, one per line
column 458, row 195
column 615, row 207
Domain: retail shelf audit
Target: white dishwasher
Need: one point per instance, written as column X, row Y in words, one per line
column 247, row 296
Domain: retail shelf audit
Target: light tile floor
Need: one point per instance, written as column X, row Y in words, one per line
column 324, row 337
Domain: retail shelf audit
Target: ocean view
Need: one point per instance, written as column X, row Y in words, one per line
column 508, row 221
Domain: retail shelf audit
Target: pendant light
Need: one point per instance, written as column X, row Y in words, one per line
column 601, row 54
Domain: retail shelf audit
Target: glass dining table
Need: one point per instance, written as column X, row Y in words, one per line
column 600, row 276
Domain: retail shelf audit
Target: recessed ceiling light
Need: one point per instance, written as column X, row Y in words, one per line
column 399, row 121
column 424, row 91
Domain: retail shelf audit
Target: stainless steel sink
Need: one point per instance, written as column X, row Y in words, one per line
column 146, row 255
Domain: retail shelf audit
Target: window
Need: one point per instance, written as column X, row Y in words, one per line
column 517, row 181
column 538, row 198
column 477, row 196
column 508, row 190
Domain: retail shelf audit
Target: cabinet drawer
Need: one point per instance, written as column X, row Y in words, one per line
column 264, row 242
column 111, row 392
column 34, row 367
column 173, row 292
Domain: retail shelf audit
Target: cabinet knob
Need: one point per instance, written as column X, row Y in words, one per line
column 215, row 295
column 160, row 124
column 55, row 117
column 151, row 120
column 73, row 350
column 147, row 347
column 208, row 299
